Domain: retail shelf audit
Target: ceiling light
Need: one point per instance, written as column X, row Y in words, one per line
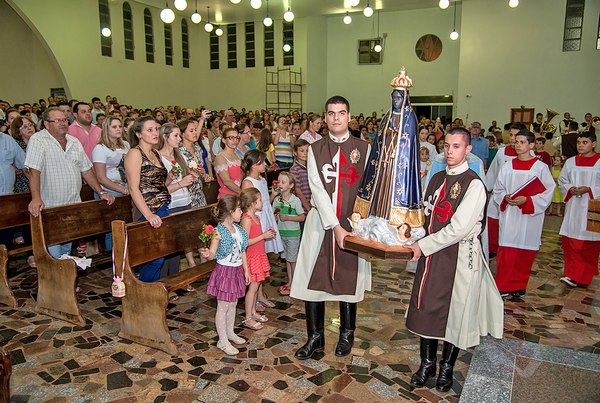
column 347, row 19
column 180, row 4
column 255, row 4
column 106, row 32
column 287, row 47
column 167, row 15
column 218, row 31
column 208, row 27
column 444, row 4
column 513, row 3
column 288, row 15
column 454, row 33
column 196, row 17
column 235, row 1
column 368, row 11
column 268, row 21
column 378, row 48
column 353, row 3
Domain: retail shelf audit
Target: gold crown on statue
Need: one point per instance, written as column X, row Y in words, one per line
column 401, row 81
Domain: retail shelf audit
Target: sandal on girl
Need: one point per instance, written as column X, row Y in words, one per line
column 266, row 303
column 256, row 326
column 261, row 318
column 284, row 289
column 189, row 288
column 227, row 348
column 259, row 307
column 173, row 297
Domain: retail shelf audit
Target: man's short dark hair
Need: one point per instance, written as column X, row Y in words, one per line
column 526, row 133
column 78, row 105
column 588, row 135
column 96, row 99
column 338, row 99
column 573, row 125
column 542, row 139
column 518, row 126
column 539, row 114
column 63, row 102
column 41, row 100
column 72, row 102
column 461, row 130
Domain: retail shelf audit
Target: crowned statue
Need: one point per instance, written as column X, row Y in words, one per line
column 391, row 185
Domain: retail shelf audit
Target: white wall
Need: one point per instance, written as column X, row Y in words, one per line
column 367, row 86
column 26, row 71
column 515, row 58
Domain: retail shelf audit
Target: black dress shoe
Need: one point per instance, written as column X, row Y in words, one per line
column 315, row 344
column 345, row 343
column 518, row 294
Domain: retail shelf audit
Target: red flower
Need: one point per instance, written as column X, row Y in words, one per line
column 275, row 182
column 209, row 229
column 277, row 210
column 173, row 162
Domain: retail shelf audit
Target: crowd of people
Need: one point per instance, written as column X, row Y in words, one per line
column 165, row 157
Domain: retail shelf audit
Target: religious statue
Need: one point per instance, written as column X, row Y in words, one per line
column 391, row 186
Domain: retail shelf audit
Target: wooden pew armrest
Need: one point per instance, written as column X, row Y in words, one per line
column 189, row 276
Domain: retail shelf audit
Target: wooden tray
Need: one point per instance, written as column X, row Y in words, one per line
column 377, row 249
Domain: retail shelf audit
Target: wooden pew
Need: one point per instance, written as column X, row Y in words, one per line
column 57, row 278
column 5, row 372
column 144, row 317
column 15, row 214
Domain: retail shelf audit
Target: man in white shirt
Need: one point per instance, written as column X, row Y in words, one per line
column 56, row 163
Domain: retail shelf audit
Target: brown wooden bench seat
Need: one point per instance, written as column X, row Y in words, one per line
column 144, row 317
column 57, row 279
column 15, row 214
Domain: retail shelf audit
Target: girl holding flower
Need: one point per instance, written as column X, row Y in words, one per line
column 169, row 139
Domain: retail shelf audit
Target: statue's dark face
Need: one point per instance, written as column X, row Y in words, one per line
column 397, row 98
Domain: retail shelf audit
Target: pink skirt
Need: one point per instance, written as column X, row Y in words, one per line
column 227, row 283
column 258, row 266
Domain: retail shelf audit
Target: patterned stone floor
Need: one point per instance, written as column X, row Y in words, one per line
column 54, row 361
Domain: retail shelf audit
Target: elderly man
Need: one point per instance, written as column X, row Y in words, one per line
column 83, row 129
column 229, row 118
column 56, row 163
column 479, row 143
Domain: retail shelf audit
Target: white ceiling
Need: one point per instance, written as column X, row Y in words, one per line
column 225, row 12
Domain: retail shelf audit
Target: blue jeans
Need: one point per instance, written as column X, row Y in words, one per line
column 150, row 271
column 108, row 236
column 58, row 250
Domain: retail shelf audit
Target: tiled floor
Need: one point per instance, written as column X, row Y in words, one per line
column 54, row 361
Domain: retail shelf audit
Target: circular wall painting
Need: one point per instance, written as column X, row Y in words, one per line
column 428, row 48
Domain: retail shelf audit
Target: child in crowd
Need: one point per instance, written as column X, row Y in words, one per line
column 492, row 149
column 540, row 153
column 579, row 181
column 265, row 144
column 230, row 276
column 258, row 263
column 425, row 165
column 298, row 169
column 440, row 145
column 523, row 191
column 290, row 214
column 557, row 198
column 297, row 130
column 253, row 166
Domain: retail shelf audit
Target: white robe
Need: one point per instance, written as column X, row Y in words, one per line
column 319, row 219
column 574, row 223
column 519, row 230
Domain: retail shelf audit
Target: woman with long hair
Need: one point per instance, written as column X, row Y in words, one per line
column 147, row 180
column 21, row 129
column 195, row 156
column 244, row 132
column 265, row 144
column 284, row 143
column 312, row 131
column 107, row 157
column 227, row 164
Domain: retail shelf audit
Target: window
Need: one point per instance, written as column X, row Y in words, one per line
column 598, row 41
column 168, row 44
column 105, row 41
column 214, row 51
column 288, row 39
column 366, row 51
column 250, row 49
column 231, row 46
column 573, row 25
column 128, row 30
column 269, row 46
column 149, row 36
column 185, row 44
